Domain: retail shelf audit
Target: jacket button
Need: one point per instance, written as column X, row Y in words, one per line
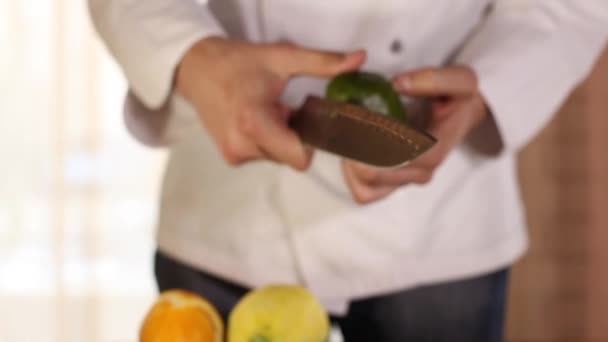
column 396, row 46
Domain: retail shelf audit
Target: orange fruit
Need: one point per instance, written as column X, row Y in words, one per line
column 183, row 316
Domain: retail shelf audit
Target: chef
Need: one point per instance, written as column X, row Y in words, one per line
column 415, row 253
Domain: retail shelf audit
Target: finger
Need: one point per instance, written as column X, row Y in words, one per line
column 310, row 152
column 283, row 111
column 391, row 177
column 446, row 81
column 237, row 150
column 409, row 175
column 364, row 173
column 263, row 155
column 361, row 192
column 283, row 114
column 292, row 61
column 269, row 133
column 443, row 106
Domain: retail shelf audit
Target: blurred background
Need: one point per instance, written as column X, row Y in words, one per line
column 78, row 196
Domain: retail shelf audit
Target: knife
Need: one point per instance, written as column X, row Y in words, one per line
column 354, row 132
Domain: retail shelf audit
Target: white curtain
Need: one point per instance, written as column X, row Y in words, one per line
column 77, row 194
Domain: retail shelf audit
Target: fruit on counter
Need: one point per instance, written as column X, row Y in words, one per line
column 369, row 90
column 182, row 316
column 278, row 313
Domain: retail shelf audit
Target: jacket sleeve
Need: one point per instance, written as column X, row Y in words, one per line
column 528, row 56
column 148, row 39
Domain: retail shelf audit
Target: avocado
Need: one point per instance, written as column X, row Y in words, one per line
column 369, row 90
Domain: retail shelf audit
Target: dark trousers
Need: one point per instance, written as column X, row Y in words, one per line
column 470, row 310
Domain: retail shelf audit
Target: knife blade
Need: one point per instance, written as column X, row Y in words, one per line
column 354, row 132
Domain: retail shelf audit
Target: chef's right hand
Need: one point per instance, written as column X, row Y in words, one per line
column 235, row 87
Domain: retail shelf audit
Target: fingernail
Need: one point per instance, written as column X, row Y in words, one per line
column 354, row 53
column 405, row 83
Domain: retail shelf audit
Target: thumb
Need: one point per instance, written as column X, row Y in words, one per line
column 292, row 61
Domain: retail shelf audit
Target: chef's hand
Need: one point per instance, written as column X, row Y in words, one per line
column 457, row 107
column 235, row 88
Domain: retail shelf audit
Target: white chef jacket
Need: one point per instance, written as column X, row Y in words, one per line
column 262, row 223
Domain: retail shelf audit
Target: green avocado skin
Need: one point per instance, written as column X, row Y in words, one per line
column 367, row 89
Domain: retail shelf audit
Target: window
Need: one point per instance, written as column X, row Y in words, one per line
column 77, row 194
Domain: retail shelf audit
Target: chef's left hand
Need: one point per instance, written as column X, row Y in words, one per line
column 457, row 107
